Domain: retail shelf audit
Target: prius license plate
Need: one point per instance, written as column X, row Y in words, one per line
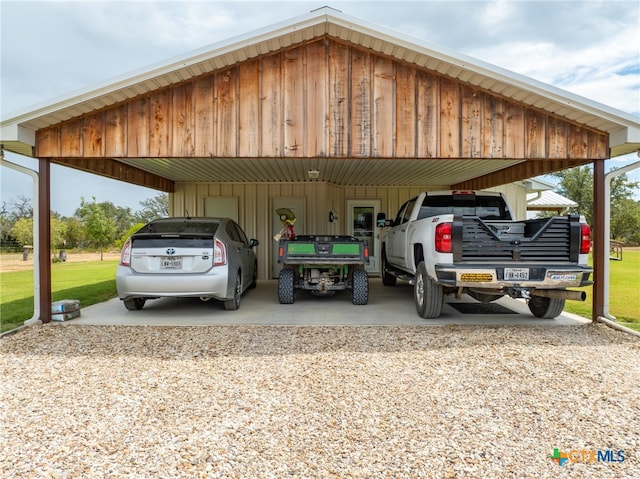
column 171, row 262
column 516, row 274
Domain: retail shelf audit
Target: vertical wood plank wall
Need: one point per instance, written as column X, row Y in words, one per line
column 323, row 98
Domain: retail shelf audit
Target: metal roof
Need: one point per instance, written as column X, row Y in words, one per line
column 548, row 200
column 18, row 130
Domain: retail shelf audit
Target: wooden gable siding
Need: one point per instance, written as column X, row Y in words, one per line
column 321, row 99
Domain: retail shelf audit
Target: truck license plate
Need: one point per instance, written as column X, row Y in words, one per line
column 171, row 263
column 518, row 274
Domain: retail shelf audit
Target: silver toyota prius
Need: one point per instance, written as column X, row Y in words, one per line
column 206, row 258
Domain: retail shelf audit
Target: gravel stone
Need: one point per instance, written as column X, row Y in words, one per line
column 317, row 402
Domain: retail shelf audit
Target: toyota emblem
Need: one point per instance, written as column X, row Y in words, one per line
column 171, row 251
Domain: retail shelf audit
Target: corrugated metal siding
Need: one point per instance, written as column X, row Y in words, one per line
column 254, row 206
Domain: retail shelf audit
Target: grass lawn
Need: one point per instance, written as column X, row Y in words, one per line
column 624, row 298
column 90, row 282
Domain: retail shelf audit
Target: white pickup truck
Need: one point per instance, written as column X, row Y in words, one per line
column 457, row 242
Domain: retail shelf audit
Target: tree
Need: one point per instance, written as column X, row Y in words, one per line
column 21, row 207
column 23, row 231
column 75, row 235
column 6, row 224
column 122, row 217
column 625, row 223
column 100, row 229
column 58, row 229
column 577, row 185
column 156, row 207
column 10, row 212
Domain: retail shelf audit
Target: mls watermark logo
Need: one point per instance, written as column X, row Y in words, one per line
column 586, row 456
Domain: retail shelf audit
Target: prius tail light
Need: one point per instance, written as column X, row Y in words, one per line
column 219, row 253
column 125, row 255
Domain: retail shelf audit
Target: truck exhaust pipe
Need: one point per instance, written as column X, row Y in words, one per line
column 560, row 294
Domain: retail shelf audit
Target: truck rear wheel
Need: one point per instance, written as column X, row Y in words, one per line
column 546, row 308
column 428, row 296
column 360, row 287
column 286, row 286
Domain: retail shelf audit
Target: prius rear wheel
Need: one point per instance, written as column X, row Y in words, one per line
column 134, row 304
column 234, row 303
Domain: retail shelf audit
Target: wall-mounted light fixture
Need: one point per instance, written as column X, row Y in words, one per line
column 313, row 174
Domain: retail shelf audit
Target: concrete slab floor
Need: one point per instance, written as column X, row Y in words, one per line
column 388, row 306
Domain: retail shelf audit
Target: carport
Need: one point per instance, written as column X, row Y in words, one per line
column 327, row 113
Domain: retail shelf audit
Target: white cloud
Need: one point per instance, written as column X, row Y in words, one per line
column 593, row 71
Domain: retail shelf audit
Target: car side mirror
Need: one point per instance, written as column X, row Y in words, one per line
column 382, row 221
column 253, row 242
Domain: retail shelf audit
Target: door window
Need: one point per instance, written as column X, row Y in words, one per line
column 408, row 210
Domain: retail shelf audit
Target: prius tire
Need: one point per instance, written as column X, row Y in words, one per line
column 360, row 287
column 134, row 304
column 286, row 280
column 546, row 308
column 428, row 296
column 234, row 303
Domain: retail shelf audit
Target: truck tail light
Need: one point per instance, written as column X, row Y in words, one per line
column 443, row 238
column 585, row 238
column 219, row 253
column 125, row 255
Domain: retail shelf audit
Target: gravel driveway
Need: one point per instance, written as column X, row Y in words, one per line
column 306, row 402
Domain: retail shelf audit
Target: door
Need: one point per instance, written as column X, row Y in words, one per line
column 361, row 223
column 296, row 205
column 396, row 240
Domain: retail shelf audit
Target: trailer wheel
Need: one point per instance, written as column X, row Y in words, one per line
column 360, row 289
column 428, row 296
column 134, row 304
column 387, row 279
column 546, row 308
column 285, row 286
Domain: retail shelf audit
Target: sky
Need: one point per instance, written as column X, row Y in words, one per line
column 51, row 49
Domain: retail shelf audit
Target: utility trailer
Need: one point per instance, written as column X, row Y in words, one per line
column 323, row 265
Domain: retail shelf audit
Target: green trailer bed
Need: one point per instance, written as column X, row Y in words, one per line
column 323, row 265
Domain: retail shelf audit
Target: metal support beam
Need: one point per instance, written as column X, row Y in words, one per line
column 599, row 242
column 44, row 231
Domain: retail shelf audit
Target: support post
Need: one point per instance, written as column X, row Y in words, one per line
column 44, row 230
column 598, row 228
